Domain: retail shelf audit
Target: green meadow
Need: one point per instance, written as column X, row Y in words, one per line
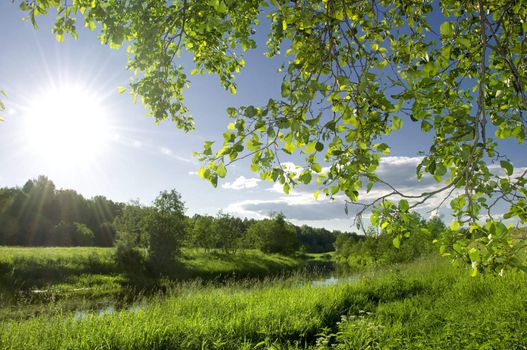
column 41, row 280
column 427, row 304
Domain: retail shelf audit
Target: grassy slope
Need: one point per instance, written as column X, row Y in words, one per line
column 427, row 304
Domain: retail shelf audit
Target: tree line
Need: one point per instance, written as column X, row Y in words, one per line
column 39, row 214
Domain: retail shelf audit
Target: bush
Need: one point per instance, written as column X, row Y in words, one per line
column 128, row 256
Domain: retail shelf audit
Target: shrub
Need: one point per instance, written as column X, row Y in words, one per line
column 128, row 256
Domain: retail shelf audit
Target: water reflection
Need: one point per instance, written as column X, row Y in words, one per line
column 106, row 310
column 333, row 280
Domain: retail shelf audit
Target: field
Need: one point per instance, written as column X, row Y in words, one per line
column 426, row 304
column 37, row 267
column 41, row 280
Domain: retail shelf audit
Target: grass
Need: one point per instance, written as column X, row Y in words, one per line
column 248, row 262
column 40, row 275
column 425, row 304
column 194, row 316
column 447, row 309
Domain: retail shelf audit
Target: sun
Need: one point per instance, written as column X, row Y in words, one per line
column 67, row 125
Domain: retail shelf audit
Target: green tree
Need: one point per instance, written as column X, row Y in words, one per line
column 316, row 240
column 132, row 224
column 344, row 242
column 102, row 214
column 201, row 233
column 274, row 235
column 355, row 72
column 36, row 211
column 132, row 236
column 166, row 226
column 82, row 235
column 229, row 232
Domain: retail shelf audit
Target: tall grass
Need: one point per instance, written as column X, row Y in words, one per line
column 446, row 309
column 194, row 316
column 425, row 304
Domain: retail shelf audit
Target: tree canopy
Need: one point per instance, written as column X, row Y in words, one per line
column 356, row 71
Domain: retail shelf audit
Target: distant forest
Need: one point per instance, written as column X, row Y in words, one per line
column 39, row 214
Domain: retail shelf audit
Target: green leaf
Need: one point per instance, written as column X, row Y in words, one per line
column 507, row 166
column 286, row 89
column 221, row 170
column 396, row 242
column 458, row 203
column 426, row 126
column 214, row 180
column 316, row 167
column 310, row 147
column 339, row 14
column 231, row 111
column 474, row 255
column 446, row 29
column 397, row 123
column 440, row 169
column 250, row 111
column 289, row 147
column 121, row 89
column 201, row 172
column 305, row 177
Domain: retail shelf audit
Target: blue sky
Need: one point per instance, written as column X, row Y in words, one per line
column 139, row 158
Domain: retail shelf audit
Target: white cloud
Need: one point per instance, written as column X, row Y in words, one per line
column 299, row 207
column 165, row 151
column 241, row 183
column 400, row 161
column 400, row 172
